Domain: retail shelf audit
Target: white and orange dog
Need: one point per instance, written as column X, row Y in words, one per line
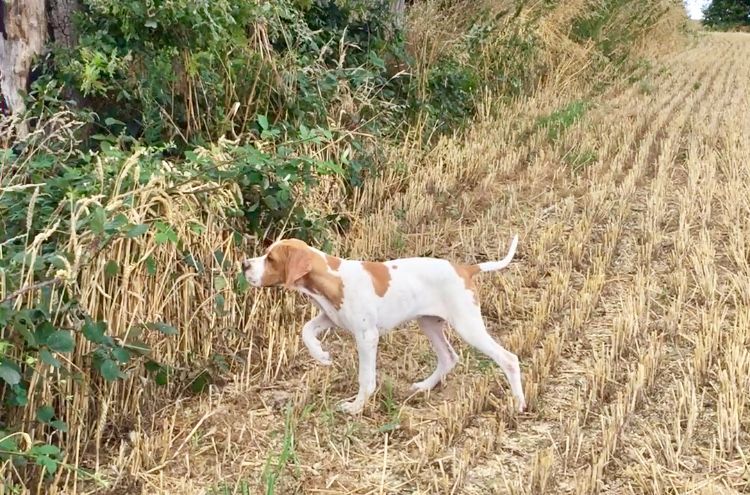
column 369, row 299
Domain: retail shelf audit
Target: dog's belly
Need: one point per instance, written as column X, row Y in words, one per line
column 404, row 307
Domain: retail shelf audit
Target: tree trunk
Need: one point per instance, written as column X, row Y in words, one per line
column 22, row 39
column 60, row 14
column 398, row 7
column 62, row 30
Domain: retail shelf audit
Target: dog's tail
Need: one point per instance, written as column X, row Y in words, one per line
column 492, row 266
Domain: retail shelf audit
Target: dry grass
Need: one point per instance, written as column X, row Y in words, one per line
column 628, row 305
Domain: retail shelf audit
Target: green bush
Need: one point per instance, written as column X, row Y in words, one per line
column 178, row 72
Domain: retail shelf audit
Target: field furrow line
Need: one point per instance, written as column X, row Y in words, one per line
column 609, row 358
column 552, row 342
column 669, row 424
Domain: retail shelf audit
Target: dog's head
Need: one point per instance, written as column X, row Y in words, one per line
column 285, row 262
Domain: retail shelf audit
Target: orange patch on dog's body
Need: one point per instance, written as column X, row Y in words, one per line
column 467, row 272
column 381, row 277
column 333, row 262
column 321, row 281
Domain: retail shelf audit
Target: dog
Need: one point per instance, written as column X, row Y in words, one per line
column 371, row 298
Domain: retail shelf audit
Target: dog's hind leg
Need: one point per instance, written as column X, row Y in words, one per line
column 447, row 358
column 470, row 326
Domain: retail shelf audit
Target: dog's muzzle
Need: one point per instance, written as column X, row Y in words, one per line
column 249, row 272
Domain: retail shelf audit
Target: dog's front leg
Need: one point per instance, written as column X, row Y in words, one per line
column 367, row 350
column 310, row 332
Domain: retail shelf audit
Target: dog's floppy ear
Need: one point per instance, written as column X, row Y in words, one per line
column 298, row 264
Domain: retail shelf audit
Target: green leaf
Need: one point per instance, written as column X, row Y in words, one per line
column 137, row 230
column 241, row 284
column 61, row 341
column 45, row 414
column 197, row 228
column 45, row 449
column 220, row 283
column 201, row 382
column 219, row 257
column 103, row 137
column 271, row 202
column 376, row 60
column 166, row 236
column 191, row 261
column 49, row 359
column 389, row 426
column 111, row 269
column 121, row 354
column 152, row 366
column 150, row 266
column 137, row 347
column 58, row 262
column 18, row 397
column 109, row 121
column 164, row 233
column 21, row 324
column 97, row 219
column 329, row 167
column 304, row 132
column 9, row 374
column 5, row 313
column 110, row 370
column 94, row 331
column 162, row 377
column 43, row 332
column 263, row 122
column 27, row 336
column 8, row 443
column 116, row 223
column 220, row 303
column 49, row 464
column 59, row 425
column 163, row 328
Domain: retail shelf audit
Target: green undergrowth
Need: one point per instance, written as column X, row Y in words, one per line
column 556, row 123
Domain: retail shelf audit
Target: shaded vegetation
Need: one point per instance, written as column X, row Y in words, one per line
column 727, row 14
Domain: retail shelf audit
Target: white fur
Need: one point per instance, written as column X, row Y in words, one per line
column 428, row 290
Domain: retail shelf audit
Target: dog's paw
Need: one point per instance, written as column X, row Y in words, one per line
column 423, row 386
column 522, row 407
column 323, row 358
column 351, row 407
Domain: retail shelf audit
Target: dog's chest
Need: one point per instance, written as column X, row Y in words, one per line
column 325, row 306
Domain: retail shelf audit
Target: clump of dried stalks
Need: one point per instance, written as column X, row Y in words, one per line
column 618, row 311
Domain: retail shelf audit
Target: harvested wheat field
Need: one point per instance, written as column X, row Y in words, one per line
column 628, row 304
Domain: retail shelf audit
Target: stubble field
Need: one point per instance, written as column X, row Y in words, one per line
column 628, row 304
